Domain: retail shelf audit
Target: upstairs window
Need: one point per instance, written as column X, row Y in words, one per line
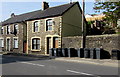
column 2, row 30
column 35, row 27
column 36, row 43
column 1, row 42
column 49, row 23
column 15, row 42
column 16, row 29
column 8, row 30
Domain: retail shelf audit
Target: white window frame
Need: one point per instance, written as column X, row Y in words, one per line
column 32, row 43
column 15, row 43
column 46, row 24
column 33, row 26
column 36, row 24
column 8, row 29
column 17, row 29
column 3, row 30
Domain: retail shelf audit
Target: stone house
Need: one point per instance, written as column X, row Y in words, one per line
column 13, row 36
column 37, row 31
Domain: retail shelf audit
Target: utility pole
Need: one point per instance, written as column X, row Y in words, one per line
column 83, row 25
column 70, row 1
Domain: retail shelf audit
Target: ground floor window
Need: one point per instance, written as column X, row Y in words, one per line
column 15, row 42
column 1, row 42
column 36, row 43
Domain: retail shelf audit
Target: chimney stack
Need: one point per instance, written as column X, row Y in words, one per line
column 12, row 15
column 45, row 5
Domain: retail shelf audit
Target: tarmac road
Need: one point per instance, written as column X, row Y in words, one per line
column 14, row 65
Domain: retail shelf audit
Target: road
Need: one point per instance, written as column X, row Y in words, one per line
column 13, row 65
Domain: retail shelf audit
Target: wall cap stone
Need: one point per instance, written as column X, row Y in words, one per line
column 106, row 35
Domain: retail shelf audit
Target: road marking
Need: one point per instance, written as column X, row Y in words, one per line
column 79, row 72
column 33, row 64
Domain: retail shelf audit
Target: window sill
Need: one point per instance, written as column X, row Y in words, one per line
column 35, row 32
column 15, row 48
column 49, row 30
column 35, row 50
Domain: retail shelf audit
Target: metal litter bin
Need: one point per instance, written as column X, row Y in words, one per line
column 92, row 53
column 51, row 52
column 55, row 52
column 115, row 54
column 86, row 53
column 99, row 53
column 72, row 52
column 80, row 52
column 59, row 54
column 64, row 52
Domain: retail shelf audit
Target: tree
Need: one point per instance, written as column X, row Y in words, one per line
column 110, row 9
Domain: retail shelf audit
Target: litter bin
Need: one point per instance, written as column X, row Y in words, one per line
column 86, row 53
column 115, row 54
column 92, row 53
column 64, row 52
column 59, row 54
column 99, row 53
column 72, row 52
column 55, row 52
column 80, row 52
column 51, row 52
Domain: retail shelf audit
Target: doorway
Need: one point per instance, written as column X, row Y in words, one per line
column 55, row 42
column 8, row 44
column 24, row 47
column 48, row 44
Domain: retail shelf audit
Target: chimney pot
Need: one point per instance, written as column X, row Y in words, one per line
column 12, row 15
column 45, row 5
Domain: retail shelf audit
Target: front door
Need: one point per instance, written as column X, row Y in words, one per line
column 55, row 42
column 25, row 47
column 8, row 44
column 48, row 44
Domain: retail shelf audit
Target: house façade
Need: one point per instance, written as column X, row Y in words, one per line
column 38, row 31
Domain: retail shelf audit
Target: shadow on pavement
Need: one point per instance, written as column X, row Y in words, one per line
column 11, row 59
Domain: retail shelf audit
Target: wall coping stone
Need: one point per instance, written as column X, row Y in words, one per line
column 106, row 35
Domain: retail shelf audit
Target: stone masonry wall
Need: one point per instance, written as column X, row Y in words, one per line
column 107, row 42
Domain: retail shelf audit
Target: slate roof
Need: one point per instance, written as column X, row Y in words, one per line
column 39, row 14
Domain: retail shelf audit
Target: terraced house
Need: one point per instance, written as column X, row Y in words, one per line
column 37, row 31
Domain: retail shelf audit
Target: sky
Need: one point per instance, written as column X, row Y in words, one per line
column 24, row 6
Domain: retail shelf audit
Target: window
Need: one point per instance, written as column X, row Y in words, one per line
column 16, row 29
column 36, row 43
column 2, row 30
column 49, row 23
column 15, row 42
column 8, row 30
column 35, row 26
column 1, row 43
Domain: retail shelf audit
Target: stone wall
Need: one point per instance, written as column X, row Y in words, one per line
column 107, row 42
